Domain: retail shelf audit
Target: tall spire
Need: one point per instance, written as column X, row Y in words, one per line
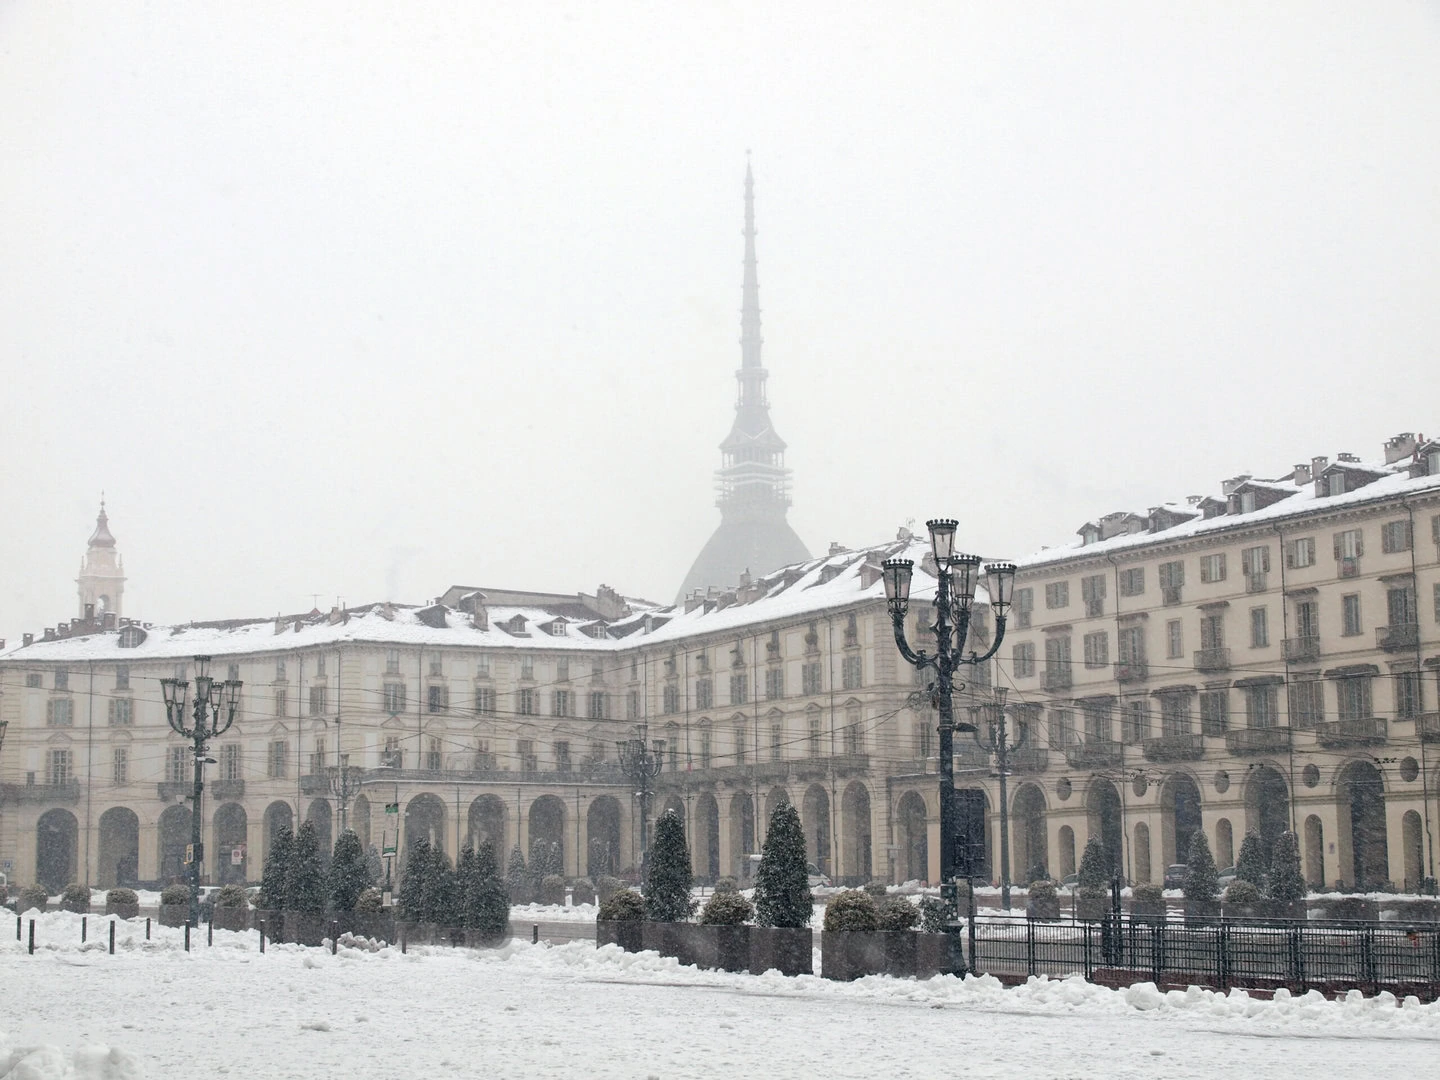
column 753, row 482
column 102, row 573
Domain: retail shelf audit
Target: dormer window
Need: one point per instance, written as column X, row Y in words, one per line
column 1432, row 463
column 1247, row 502
column 131, row 637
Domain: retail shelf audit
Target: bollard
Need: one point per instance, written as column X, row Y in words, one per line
column 187, row 937
column 32, row 937
column 147, row 927
column 112, row 937
column 262, row 937
column 19, row 921
column 210, row 932
column 84, row 927
column 402, row 942
column 535, row 934
column 334, row 939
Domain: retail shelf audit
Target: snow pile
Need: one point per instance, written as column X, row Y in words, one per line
column 91, row 1062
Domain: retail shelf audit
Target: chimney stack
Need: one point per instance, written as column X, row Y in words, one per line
column 1301, row 475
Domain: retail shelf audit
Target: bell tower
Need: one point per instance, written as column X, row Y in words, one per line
column 102, row 573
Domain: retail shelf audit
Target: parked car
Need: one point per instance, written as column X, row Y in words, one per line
column 1175, row 875
column 1070, row 882
column 817, row 879
column 1226, row 877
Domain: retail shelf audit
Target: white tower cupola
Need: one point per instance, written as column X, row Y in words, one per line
column 102, row 573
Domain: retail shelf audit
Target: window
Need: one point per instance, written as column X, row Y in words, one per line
column 277, row 758
column 394, row 697
column 810, row 678
column 562, row 670
column 122, row 677
column 482, row 667
column 777, row 740
column 437, row 666
column 1437, row 601
column 1395, row 536
column 317, row 701
column 1057, row 594
column 562, row 756
column 1260, row 709
column 1212, row 568
column 1175, row 714
column 1212, row 632
column 1255, row 563
column 1023, row 607
column 814, row 733
column 1097, row 720
column 392, row 661
column 59, row 712
column 279, row 702
column 924, row 739
column 706, row 748
column 850, row 672
column 1062, row 728
column 392, row 756
column 1132, row 581
column 854, row 734
column 740, row 744
column 704, row 694
column 1172, row 579
column 1135, row 718
column 32, row 679
column 434, row 755
column 230, row 761
column 485, row 700
column 1407, row 695
column 1307, row 702
column 317, row 757
column 670, row 699
column 525, row 702
column 1400, row 606
column 60, row 770
column 852, row 631
column 1092, row 591
column 527, row 667
column 1132, row 645
column 560, row 703
column 122, row 712
column 1097, row 649
column 1214, row 712
column 279, row 670
column 774, row 683
column 1307, row 619
column 1057, row 661
column 1349, row 547
column 176, row 759
column 1023, row 659
column 1350, row 615
column 1174, row 639
column 1259, row 627
column 319, row 667
column 1301, row 552
column 599, row 705
column 62, row 679
column 120, row 764
column 1353, row 692
column 632, row 705
column 739, row 688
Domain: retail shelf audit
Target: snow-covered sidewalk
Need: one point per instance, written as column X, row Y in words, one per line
column 528, row 1011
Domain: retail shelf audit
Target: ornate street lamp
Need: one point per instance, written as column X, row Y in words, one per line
column 344, row 780
column 957, row 576
column 212, row 712
column 642, row 765
column 993, row 740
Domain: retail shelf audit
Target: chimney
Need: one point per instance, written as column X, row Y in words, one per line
column 1228, row 487
column 1301, row 475
column 836, row 548
column 109, row 620
column 1347, row 457
column 1317, row 466
column 1401, row 446
column 89, row 612
column 1194, row 500
column 49, row 633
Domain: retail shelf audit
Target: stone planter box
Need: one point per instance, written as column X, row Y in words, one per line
column 81, row 907
column 675, row 939
column 724, row 947
column 1347, row 909
column 1247, row 912
column 1410, row 911
column 1039, row 907
column 1148, row 910
column 626, row 934
column 305, row 928
column 123, row 911
column 1092, row 908
column 784, row 948
column 376, row 925
column 905, row 954
column 939, row 954
column 851, row 954
column 1199, row 911
column 174, row 914
column 230, row 918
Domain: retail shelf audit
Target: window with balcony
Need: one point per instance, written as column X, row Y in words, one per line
column 854, row 734
column 1307, row 702
column 1395, row 536
column 1175, row 714
column 1097, row 649
column 122, row 712
column 526, row 703
column 1350, row 615
column 851, row 671
column 1132, row 581
column 777, row 741
column 1260, row 706
column 1255, row 564
column 1132, row 647
column 392, row 757
column 562, row 755
column 526, row 757
column 1353, row 696
column 1174, row 639
column 704, row 694
column 774, row 683
column 1092, row 592
column 1407, row 695
column 1259, row 627
column 1057, row 595
column 1400, row 606
column 1349, row 548
column 60, row 766
column 1212, row 632
column 1212, row 568
column 1135, row 719
column 1022, row 659
column 813, row 733
column 1214, row 712
column 1062, row 728
column 1023, row 607
column 1097, row 720
column 230, row 762
column 178, row 762
column 1300, row 553
column 741, row 742
column 1171, row 576
column 277, row 759
column 706, row 747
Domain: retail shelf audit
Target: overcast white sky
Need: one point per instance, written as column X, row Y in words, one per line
column 367, row 299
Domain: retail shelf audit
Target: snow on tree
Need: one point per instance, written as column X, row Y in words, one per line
column 1287, row 883
column 487, row 907
column 305, row 887
column 349, row 874
column 782, row 883
column 275, row 877
column 412, row 884
column 1094, row 868
column 1202, row 880
column 667, row 885
column 544, row 862
column 517, row 878
column 439, row 902
column 1250, row 866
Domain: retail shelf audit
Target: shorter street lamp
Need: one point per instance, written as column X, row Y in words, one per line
column 390, row 762
column 993, row 740
column 344, row 780
column 212, row 712
column 956, row 578
column 642, row 765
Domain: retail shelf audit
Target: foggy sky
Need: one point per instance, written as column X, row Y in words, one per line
column 369, row 299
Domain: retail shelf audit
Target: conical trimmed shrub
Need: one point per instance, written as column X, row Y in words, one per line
column 1250, row 866
column 782, row 882
column 1202, row 880
column 1286, row 882
column 412, row 884
column 305, row 888
column 517, row 878
column 487, row 907
column 349, row 876
column 275, row 877
column 667, row 885
column 1094, row 870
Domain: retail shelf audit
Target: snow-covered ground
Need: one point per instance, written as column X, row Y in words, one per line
column 574, row 1010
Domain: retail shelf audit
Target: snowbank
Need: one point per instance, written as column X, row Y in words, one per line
column 94, row 1061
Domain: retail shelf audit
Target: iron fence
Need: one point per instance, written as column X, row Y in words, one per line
column 1331, row 957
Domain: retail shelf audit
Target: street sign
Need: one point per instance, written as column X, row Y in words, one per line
column 392, row 808
column 237, row 855
column 7, row 865
column 189, row 854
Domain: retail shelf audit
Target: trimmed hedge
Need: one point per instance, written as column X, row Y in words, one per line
column 897, row 913
column 727, row 909
column 76, row 898
column 624, row 906
column 175, row 896
column 852, row 909
column 32, row 896
column 122, row 898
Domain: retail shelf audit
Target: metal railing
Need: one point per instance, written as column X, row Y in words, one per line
column 1299, row 650
column 66, row 791
column 1212, row 659
column 1093, row 754
column 1174, row 748
column 1127, row 671
column 1398, row 638
column 1427, row 726
column 1274, row 740
column 1331, row 957
column 1359, row 731
column 1056, row 678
